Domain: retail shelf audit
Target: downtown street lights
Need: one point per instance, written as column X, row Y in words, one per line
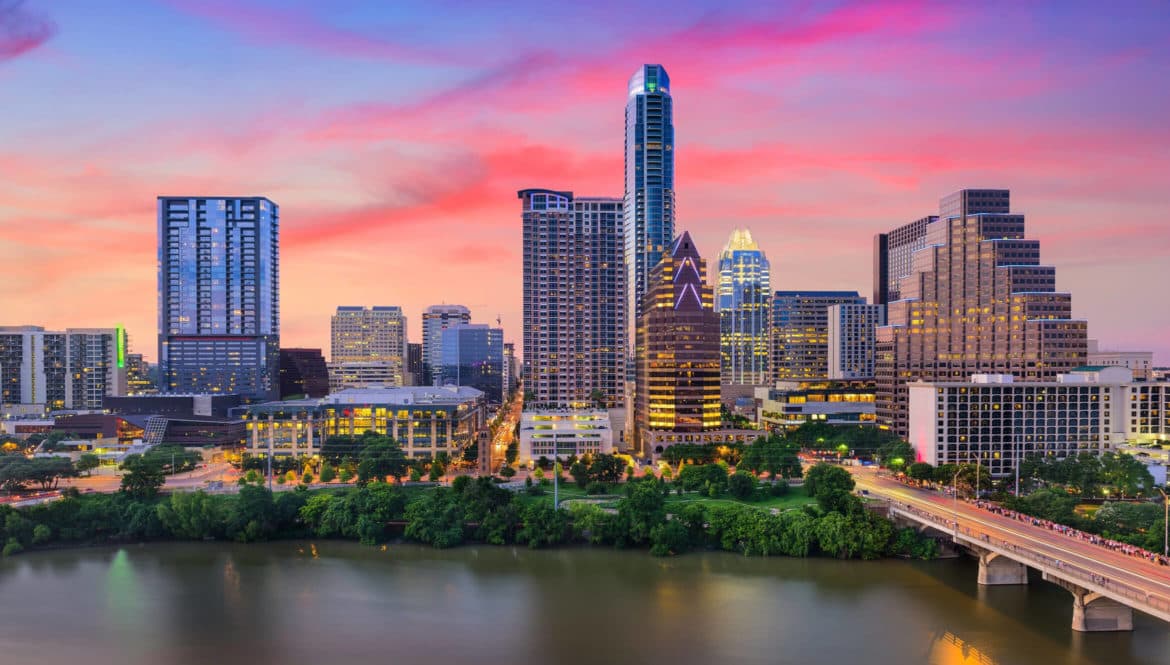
column 1165, row 522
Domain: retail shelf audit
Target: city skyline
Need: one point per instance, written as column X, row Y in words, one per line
column 840, row 149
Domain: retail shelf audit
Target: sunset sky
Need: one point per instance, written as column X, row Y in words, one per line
column 394, row 136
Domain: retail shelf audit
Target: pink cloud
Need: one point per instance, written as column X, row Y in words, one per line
column 22, row 30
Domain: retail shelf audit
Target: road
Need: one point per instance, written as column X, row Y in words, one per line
column 505, row 433
column 1135, row 572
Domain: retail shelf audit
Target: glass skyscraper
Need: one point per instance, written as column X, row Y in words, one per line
column 649, row 195
column 473, row 355
column 744, row 299
column 219, row 295
column 435, row 320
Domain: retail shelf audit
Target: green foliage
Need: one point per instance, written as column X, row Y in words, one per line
column 192, row 515
column 544, row 526
column 669, row 538
column 823, row 478
column 742, row 485
column 774, row 455
column 920, row 471
column 86, row 463
column 142, row 476
column 18, row 472
column 435, row 519
column 328, row 473
column 908, row 542
column 641, row 510
column 594, row 488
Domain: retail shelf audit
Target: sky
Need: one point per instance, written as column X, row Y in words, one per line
column 395, row 136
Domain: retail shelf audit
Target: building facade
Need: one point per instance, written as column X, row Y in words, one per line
column 473, row 355
column 790, row 404
column 575, row 331
column 219, row 295
column 360, row 334
column 424, row 420
column 744, row 301
column 511, row 370
column 303, row 372
column 386, row 373
column 977, row 300
column 1139, row 362
column 853, row 340
column 416, row 368
column 891, row 257
column 53, row 370
column 138, row 378
column 435, row 320
column 800, row 332
column 994, row 420
column 649, row 181
column 678, row 338
column 562, row 434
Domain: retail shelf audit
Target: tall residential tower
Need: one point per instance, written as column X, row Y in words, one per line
column 744, row 299
column 219, row 295
column 649, row 164
column 435, row 320
column 574, row 299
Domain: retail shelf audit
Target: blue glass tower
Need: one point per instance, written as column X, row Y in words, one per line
column 649, row 195
column 219, row 295
column 744, row 302
column 473, row 355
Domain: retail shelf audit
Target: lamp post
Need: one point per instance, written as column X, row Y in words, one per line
column 955, row 506
column 1165, row 522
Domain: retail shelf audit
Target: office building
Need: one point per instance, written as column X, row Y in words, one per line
column 678, row 336
column 383, row 373
column 790, row 404
column 574, row 299
column 303, row 372
column 435, row 320
column 1138, row 362
column 800, row 332
column 648, row 208
column 425, row 420
column 891, row 257
column 473, row 355
column 562, row 434
column 138, row 376
column 53, row 370
column 977, row 301
column 416, row 368
column 360, row 334
column 852, row 339
column 219, row 295
column 744, row 300
column 994, row 420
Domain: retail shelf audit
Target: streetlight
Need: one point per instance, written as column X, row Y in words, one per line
column 955, row 508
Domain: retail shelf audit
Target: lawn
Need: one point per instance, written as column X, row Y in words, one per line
column 794, row 499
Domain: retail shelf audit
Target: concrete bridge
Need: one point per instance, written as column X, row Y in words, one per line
column 1106, row 585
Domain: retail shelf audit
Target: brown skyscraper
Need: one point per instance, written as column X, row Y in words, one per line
column 678, row 343
column 976, row 299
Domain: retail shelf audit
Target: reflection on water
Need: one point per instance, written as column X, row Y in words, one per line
column 323, row 602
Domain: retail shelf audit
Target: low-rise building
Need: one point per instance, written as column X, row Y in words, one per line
column 564, row 433
column 657, row 441
column 364, row 374
column 790, row 404
column 424, row 420
column 994, row 420
column 1139, row 362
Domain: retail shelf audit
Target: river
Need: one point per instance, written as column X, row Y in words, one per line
column 335, row 602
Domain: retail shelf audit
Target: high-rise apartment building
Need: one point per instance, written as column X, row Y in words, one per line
column 473, row 355
column 800, row 332
column 435, row 320
column 977, row 300
column 73, row 369
column 219, row 295
column 511, row 375
column 359, row 334
column 744, row 300
column 574, row 299
column 852, row 340
column 678, row 334
column 649, row 179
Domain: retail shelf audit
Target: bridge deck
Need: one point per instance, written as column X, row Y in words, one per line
column 1132, row 581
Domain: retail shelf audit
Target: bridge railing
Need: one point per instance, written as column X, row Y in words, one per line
column 1062, row 568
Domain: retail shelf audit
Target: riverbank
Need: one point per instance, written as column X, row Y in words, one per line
column 472, row 511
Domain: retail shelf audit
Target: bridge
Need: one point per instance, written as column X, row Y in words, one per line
column 1106, row 585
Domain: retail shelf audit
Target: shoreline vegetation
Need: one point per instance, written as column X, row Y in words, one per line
column 716, row 511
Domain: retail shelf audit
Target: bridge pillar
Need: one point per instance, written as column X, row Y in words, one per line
column 1092, row 612
column 995, row 570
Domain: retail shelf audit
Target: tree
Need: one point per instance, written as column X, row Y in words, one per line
column 920, row 471
column 328, row 473
column 543, row 526
column 669, row 538
column 435, row 519
column 252, row 516
column 580, row 473
column 87, row 463
column 380, row 457
column 192, row 515
column 142, row 476
column 741, row 485
column 641, row 510
column 827, row 478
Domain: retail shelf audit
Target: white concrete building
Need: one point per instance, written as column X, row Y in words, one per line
column 1139, row 362
column 994, row 420
column 52, row 370
column 564, row 433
